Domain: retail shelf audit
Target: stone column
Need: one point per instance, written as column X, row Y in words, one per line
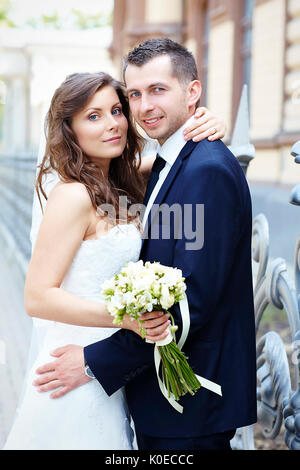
column 267, row 68
column 196, row 33
column 165, row 12
column 15, row 117
column 116, row 47
column 136, row 21
column 14, row 71
column 220, row 62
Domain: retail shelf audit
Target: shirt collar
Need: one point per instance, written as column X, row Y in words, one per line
column 172, row 147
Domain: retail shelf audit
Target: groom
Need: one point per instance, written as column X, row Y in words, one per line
column 214, row 254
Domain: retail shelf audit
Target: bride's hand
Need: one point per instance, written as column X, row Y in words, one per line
column 155, row 324
column 206, row 125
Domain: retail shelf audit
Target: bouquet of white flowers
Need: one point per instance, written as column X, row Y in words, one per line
column 140, row 288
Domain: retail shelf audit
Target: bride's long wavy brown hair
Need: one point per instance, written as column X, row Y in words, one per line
column 64, row 155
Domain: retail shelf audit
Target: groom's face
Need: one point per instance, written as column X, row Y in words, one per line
column 158, row 101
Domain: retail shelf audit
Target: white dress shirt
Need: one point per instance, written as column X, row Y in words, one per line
column 169, row 151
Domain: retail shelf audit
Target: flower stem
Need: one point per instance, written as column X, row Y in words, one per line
column 177, row 375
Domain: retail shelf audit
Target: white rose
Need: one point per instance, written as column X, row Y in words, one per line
column 146, row 301
column 117, row 301
column 144, row 282
column 166, row 299
column 133, row 269
column 170, row 278
column 108, row 284
column 156, row 268
column 112, row 310
column 123, row 280
column 128, row 298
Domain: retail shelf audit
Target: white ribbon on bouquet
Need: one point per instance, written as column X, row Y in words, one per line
column 185, row 314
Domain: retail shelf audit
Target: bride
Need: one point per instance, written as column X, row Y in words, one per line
column 92, row 145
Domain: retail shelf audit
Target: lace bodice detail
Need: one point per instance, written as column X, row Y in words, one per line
column 100, row 259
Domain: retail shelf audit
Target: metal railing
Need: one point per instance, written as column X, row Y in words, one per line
column 278, row 377
column 17, row 175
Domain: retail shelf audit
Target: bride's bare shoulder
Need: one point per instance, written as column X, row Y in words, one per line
column 71, row 192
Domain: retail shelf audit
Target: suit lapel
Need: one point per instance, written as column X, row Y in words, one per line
column 187, row 149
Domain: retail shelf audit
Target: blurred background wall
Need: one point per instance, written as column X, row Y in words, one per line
column 39, row 46
column 235, row 42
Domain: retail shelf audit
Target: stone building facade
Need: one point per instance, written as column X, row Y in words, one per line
column 235, row 42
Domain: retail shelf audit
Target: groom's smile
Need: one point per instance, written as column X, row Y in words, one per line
column 152, row 122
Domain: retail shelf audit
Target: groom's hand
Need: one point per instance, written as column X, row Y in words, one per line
column 65, row 374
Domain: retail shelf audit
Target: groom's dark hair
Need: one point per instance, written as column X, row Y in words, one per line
column 183, row 63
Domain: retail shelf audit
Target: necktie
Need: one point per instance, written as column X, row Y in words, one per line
column 158, row 165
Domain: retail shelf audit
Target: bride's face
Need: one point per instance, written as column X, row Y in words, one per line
column 101, row 127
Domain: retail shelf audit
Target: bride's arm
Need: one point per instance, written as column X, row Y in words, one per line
column 62, row 230
column 206, row 125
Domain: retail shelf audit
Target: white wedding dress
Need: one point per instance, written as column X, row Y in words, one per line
column 85, row 418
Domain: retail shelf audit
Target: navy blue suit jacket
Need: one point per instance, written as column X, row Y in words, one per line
column 221, row 342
